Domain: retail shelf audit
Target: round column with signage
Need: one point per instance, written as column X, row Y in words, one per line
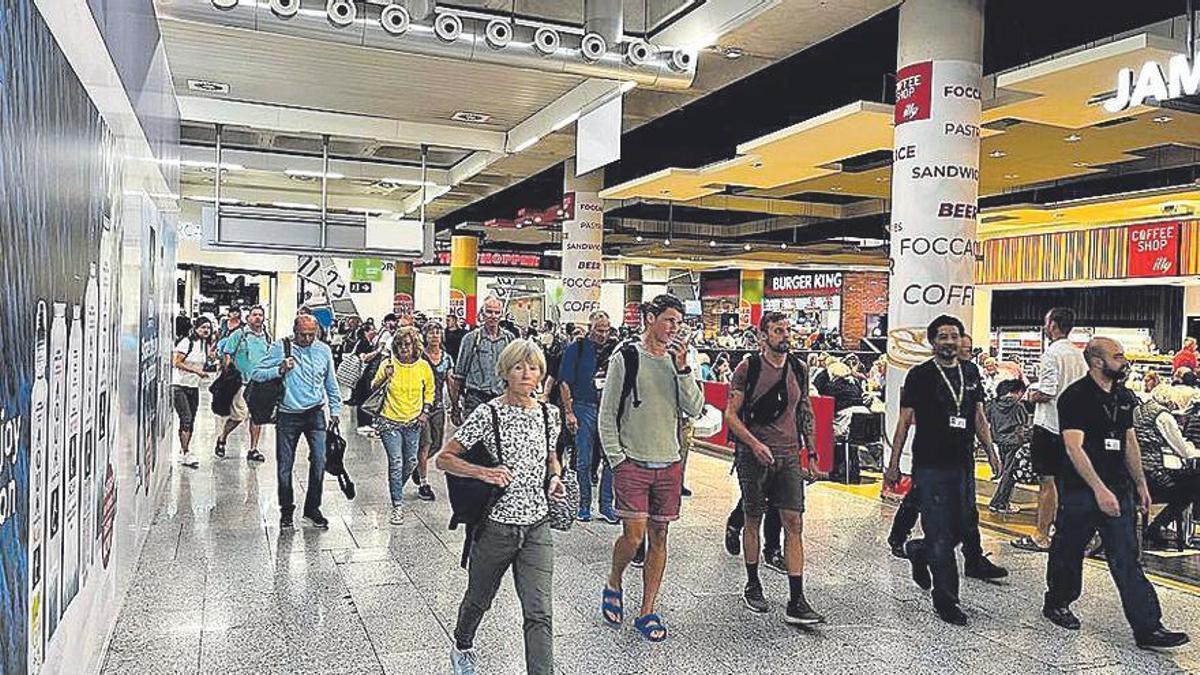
column 582, row 255
column 464, row 273
column 633, row 295
column 404, row 285
column 935, row 178
column 750, row 304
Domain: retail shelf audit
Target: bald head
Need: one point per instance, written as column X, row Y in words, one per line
column 305, row 329
column 1106, row 357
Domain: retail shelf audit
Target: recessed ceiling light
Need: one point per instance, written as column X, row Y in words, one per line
column 200, row 164
column 666, row 242
column 836, row 188
column 880, row 179
column 208, row 86
column 638, row 238
column 732, row 52
column 712, row 243
column 783, row 246
column 756, row 165
column 1060, row 215
column 664, row 192
column 997, row 154
column 746, row 247
column 1073, row 138
column 1162, row 119
column 1011, row 176
column 471, row 117
column 1079, row 165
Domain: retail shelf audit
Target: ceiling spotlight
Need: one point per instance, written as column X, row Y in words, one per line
column 1073, row 138
column 682, row 59
column 1161, row 119
column 638, row 238
column 1060, row 215
column 733, row 52
column 341, row 12
column 225, row 4
column 756, row 165
column 712, row 243
column 546, row 40
column 638, row 53
column 1011, row 176
column 746, row 247
column 395, row 19
column 498, row 34
column 593, row 47
column 836, row 188
column 448, row 27
column 284, row 8
column 1079, row 165
column 537, row 219
column 783, row 246
column 997, row 154
column 666, row 242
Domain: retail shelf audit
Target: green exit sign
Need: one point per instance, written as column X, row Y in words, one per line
column 366, row 269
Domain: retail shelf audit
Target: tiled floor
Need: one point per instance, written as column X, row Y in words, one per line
column 220, row 590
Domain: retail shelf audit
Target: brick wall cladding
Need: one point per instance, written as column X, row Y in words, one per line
column 863, row 293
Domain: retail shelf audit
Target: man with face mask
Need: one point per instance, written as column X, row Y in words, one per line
column 943, row 399
column 1102, row 488
column 309, row 382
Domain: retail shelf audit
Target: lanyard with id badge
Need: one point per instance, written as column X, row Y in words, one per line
column 1112, row 440
column 957, row 420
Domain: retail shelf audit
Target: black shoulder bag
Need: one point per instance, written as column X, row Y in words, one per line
column 471, row 499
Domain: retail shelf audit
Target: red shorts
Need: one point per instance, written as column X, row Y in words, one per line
column 648, row 493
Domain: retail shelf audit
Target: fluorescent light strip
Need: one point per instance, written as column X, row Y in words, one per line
column 294, row 205
column 407, row 181
column 200, row 164
column 305, row 173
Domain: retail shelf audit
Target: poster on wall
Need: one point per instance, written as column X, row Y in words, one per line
column 582, row 256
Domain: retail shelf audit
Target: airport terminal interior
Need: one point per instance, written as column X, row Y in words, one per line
column 407, row 337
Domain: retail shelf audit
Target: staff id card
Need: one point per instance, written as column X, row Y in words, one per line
column 1112, row 444
column 958, row 422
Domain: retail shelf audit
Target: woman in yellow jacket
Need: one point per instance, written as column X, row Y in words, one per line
column 407, row 402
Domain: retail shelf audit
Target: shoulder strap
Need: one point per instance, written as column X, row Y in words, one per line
column 800, row 373
column 629, row 354
column 496, row 431
column 753, row 371
column 546, row 422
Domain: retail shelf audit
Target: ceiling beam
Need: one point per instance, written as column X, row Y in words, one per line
column 301, row 121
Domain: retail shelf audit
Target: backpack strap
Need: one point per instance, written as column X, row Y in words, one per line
column 496, row 431
column 629, row 355
column 753, row 372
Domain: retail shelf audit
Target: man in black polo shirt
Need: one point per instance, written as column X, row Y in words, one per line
column 1102, row 488
column 943, row 398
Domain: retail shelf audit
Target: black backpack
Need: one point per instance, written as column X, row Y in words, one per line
column 772, row 404
column 263, row 398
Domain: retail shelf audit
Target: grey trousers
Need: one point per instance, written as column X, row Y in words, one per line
column 529, row 549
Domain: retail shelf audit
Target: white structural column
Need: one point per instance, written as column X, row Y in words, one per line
column 582, row 244
column 935, row 178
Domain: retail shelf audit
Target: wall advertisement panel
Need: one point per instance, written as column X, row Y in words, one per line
column 582, row 256
column 65, row 220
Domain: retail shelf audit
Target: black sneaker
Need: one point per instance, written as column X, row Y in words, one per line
column 255, row 456
column 1062, row 617
column 426, row 493
column 1162, row 638
column 800, row 614
column 952, row 615
column 984, row 569
column 220, row 449
column 639, row 556
column 752, row 596
column 774, row 560
column 319, row 521
column 920, row 568
column 733, row 540
column 898, row 549
column 416, row 480
column 685, row 491
column 285, row 521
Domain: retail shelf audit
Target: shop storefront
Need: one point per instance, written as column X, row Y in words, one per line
column 1130, row 282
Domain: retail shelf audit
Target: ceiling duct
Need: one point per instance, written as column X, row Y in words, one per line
column 600, row 50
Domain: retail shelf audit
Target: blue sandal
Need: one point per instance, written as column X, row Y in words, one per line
column 649, row 625
column 612, row 603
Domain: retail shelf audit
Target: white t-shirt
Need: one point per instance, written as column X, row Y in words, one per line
column 1061, row 364
column 195, row 355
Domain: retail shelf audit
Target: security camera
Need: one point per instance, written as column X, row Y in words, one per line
column 395, row 19
column 498, row 33
column 341, row 12
column 284, row 8
column 638, row 53
column 592, row 47
column 448, row 27
column 225, row 4
column 546, row 40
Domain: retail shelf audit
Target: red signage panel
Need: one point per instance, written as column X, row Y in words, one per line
column 914, row 92
column 1154, row 250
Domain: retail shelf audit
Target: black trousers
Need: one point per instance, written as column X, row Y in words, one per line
column 772, row 525
column 1077, row 520
column 1178, row 488
column 906, row 519
column 947, row 507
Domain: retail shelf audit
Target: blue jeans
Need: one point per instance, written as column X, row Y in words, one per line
column 587, row 442
column 288, row 428
column 1077, row 520
column 401, row 443
column 947, row 504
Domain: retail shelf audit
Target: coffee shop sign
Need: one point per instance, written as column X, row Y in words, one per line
column 1182, row 78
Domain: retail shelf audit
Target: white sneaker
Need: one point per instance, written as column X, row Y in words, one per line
column 397, row 515
column 366, row 431
column 189, row 460
column 463, row 662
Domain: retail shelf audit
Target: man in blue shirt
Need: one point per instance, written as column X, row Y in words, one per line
column 581, row 360
column 309, row 380
column 244, row 348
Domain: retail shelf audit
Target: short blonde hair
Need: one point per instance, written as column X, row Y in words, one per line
column 520, row 351
column 408, row 331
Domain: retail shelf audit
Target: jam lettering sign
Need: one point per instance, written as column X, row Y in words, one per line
column 914, row 92
column 1154, row 250
column 1180, row 78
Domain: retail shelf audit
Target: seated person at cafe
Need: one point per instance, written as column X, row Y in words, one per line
column 1171, row 462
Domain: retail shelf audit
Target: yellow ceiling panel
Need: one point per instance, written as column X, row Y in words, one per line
column 1057, row 91
column 1086, row 214
column 672, row 183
